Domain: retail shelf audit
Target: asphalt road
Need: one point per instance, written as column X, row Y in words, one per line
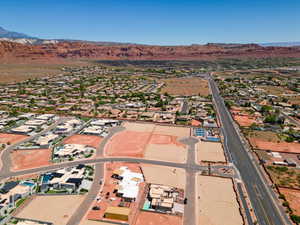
column 97, row 161
column 190, row 209
column 266, row 209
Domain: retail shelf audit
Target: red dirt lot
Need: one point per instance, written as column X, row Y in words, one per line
column 133, row 144
column 164, row 140
column 113, row 200
column 276, row 147
column 244, row 121
column 128, row 143
column 12, row 138
column 90, row 140
column 293, row 197
column 28, row 159
column 196, row 123
column 149, row 218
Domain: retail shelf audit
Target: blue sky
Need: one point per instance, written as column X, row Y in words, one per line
column 171, row 22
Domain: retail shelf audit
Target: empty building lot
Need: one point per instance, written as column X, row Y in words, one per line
column 55, row 209
column 163, row 152
column 169, row 176
column 186, row 86
column 27, row 159
column 139, row 127
column 293, row 198
column 149, row 218
column 91, row 222
column 11, row 138
column 210, row 152
column 89, row 140
column 149, row 141
column 217, row 202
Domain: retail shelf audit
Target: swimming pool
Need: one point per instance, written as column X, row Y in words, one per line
column 146, row 205
column 28, row 184
column 46, row 178
column 214, row 139
column 200, row 132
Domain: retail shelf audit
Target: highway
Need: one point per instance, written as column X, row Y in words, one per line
column 261, row 196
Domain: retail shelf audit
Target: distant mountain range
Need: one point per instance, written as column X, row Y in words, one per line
column 282, row 44
column 21, row 38
column 13, row 35
column 15, row 47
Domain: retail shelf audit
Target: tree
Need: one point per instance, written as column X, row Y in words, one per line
column 266, row 108
column 272, row 119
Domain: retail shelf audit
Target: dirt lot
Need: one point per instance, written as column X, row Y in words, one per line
column 267, row 140
column 90, row 222
column 293, row 198
column 210, row 151
column 275, row 90
column 11, row 138
column 148, row 218
column 264, row 136
column 139, row 127
column 90, row 140
column 127, row 143
column 157, row 129
column 186, row 86
column 244, row 121
column 27, row 159
column 170, row 153
column 284, row 176
column 55, row 209
column 151, row 142
column 173, row 131
column 170, row 176
column 217, row 204
column 294, row 100
column 276, row 147
column 20, row 72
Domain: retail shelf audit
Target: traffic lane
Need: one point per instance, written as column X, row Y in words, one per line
column 250, row 176
column 189, row 217
column 266, row 214
column 248, row 216
column 93, row 161
column 248, row 171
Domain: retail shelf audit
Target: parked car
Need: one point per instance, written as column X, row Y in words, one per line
column 96, row 208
